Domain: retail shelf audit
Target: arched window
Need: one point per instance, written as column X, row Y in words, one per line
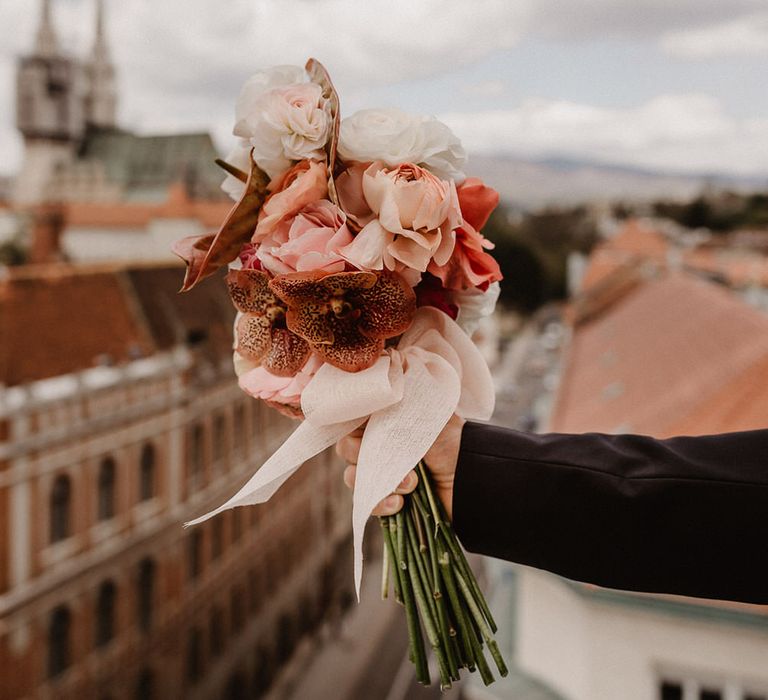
column 195, row 561
column 236, row 520
column 58, row 641
column 239, row 428
column 105, row 613
column 216, row 630
column 195, row 655
column 147, row 472
column 196, row 457
column 61, row 497
column 145, row 686
column 254, row 590
column 146, row 593
column 219, row 437
column 264, row 670
column 107, row 489
column 237, row 609
column 217, row 536
column 285, row 639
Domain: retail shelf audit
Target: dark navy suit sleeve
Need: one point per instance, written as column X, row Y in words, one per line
column 686, row 516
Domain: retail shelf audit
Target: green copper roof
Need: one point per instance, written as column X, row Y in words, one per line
column 146, row 165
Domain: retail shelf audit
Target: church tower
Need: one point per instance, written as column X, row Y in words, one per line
column 101, row 101
column 50, row 92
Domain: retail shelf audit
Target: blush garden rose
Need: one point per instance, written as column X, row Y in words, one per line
column 283, row 118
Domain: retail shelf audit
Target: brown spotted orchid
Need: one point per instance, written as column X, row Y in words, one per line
column 262, row 336
column 346, row 316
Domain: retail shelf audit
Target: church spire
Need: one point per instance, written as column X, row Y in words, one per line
column 100, row 49
column 46, row 44
column 102, row 96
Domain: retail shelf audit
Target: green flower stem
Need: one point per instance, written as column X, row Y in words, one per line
column 386, row 525
column 482, row 625
column 429, row 623
column 385, row 575
column 420, row 535
column 416, row 641
column 459, row 613
column 419, row 564
column 461, row 560
column 432, row 579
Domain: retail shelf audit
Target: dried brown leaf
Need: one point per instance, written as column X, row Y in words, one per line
column 236, row 230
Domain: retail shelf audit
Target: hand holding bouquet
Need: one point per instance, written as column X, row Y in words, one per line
column 356, row 261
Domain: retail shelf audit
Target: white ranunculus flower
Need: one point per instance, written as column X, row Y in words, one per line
column 396, row 137
column 239, row 157
column 474, row 305
column 283, row 118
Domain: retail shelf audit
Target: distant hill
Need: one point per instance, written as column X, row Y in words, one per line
column 530, row 184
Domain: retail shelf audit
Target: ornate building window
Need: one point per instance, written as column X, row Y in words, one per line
column 105, row 613
column 58, row 641
column 236, row 520
column 147, row 472
column 219, row 437
column 217, row 536
column 107, row 489
column 239, row 428
column 237, row 609
column 196, row 457
column 145, row 591
column 61, row 497
column 145, row 685
column 216, row 630
column 195, row 655
column 195, row 554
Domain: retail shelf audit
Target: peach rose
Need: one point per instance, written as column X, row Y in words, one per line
column 309, row 241
column 470, row 265
column 416, row 214
column 304, row 183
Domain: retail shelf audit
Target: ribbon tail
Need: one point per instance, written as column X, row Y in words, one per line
column 397, row 437
column 304, row 443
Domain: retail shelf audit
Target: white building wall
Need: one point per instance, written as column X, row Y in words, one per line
column 153, row 242
column 589, row 649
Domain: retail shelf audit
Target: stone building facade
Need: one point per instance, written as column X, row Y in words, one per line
column 103, row 594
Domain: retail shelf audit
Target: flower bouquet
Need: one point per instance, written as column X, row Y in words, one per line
column 357, row 268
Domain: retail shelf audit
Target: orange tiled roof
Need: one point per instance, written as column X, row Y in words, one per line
column 139, row 215
column 634, row 242
column 56, row 319
column 675, row 355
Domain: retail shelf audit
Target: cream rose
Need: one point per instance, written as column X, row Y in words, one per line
column 239, row 156
column 416, row 214
column 395, row 137
column 283, row 118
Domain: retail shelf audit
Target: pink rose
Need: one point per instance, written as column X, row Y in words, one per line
column 304, row 183
column 416, row 216
column 470, row 265
column 261, row 384
column 310, row 241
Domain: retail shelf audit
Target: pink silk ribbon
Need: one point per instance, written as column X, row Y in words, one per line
column 407, row 397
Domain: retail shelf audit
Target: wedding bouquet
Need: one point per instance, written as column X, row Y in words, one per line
column 357, row 269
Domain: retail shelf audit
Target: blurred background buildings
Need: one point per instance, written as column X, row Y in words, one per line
column 635, row 300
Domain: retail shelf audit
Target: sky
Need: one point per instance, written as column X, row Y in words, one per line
column 671, row 85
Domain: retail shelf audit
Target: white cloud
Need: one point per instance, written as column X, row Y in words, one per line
column 683, row 133
column 747, row 35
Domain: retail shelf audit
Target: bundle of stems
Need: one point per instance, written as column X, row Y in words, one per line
column 431, row 578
